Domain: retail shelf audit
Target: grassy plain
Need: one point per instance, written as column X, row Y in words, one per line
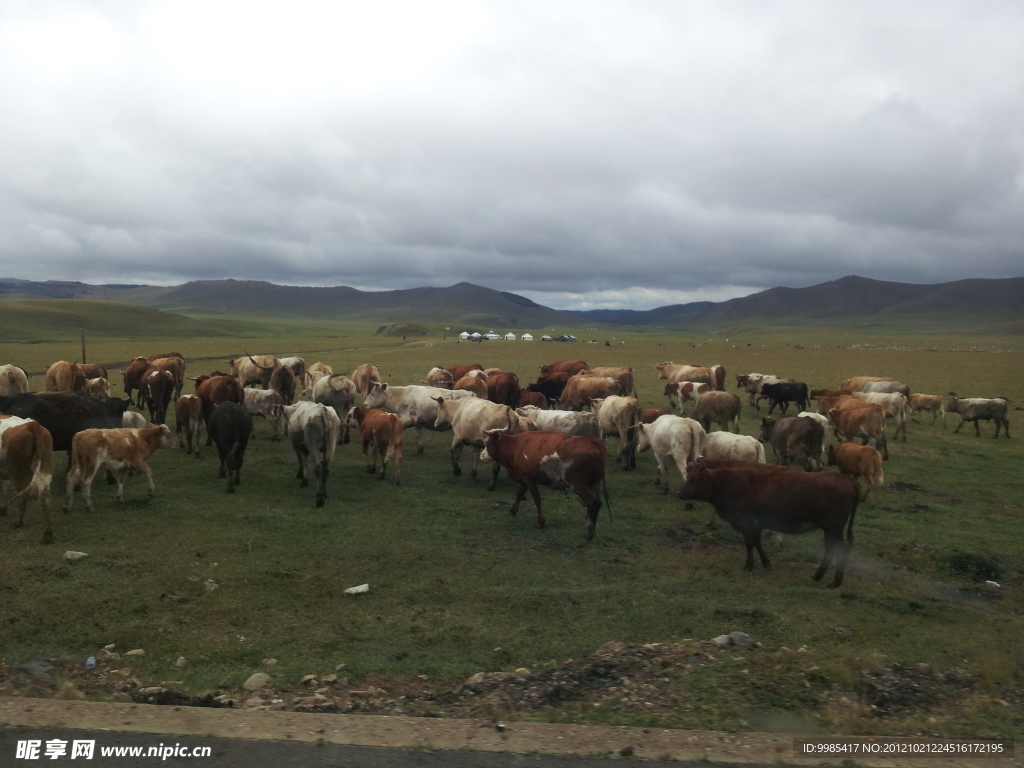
column 458, row 586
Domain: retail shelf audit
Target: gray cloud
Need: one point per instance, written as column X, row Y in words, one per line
column 631, row 154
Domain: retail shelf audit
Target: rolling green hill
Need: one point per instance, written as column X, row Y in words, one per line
column 48, row 319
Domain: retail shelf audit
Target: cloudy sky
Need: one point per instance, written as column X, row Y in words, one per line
column 584, row 154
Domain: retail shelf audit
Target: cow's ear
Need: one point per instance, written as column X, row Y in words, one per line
column 438, row 400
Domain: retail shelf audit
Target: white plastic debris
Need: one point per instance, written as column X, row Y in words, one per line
column 358, row 590
column 72, row 555
column 991, row 584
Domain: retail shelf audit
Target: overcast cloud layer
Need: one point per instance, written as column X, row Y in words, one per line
column 584, row 154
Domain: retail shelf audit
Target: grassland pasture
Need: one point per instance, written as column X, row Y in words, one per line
column 457, row 586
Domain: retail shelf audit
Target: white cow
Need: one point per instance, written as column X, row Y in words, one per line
column 581, row 423
column 134, row 420
column 313, row 430
column 13, row 380
column 726, row 445
column 414, row 405
column 268, row 404
column 470, row 418
column 618, row 415
column 673, row 436
column 97, row 388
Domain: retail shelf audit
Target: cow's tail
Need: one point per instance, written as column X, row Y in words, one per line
column 879, row 472
column 856, row 501
column 607, row 498
column 760, row 453
column 261, row 367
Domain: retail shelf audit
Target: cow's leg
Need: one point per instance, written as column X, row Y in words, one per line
column 536, row 502
column 832, row 540
column 959, row 425
column 370, row 449
column 662, row 478
column 321, row 490
column 87, row 493
column 520, row 495
column 748, row 541
column 385, row 457
column 143, row 467
column 476, row 460
column 456, row 454
column 5, row 489
column 396, row 452
column 301, row 474
column 494, row 476
column 977, row 428
column 419, row 439
column 119, row 477
column 1006, row 427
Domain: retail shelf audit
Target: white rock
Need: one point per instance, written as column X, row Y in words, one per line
column 722, row 640
column 256, row 681
column 358, row 590
column 136, row 652
column 72, row 555
column 181, row 662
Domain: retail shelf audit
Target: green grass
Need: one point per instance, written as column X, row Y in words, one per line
column 453, row 576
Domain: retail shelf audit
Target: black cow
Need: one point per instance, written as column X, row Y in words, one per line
column 551, row 389
column 65, row 414
column 229, row 426
column 783, row 394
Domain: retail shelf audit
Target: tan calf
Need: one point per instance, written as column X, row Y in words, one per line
column 859, row 461
column 188, row 415
column 384, row 433
column 475, row 384
column 933, row 403
column 26, row 469
column 119, row 450
column 97, row 388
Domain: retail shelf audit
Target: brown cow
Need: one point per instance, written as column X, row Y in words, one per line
column 384, row 434
column 157, row 391
column 458, row 371
column 622, row 374
column 859, row 461
column 26, row 467
column 163, row 355
column 214, row 390
column 551, row 458
column 63, row 376
column 132, row 376
column 650, row 415
column 282, row 381
column 475, row 384
column 364, row 376
column 254, row 370
column 176, row 366
column 757, row 497
column 722, row 408
column 536, row 399
column 93, row 371
column 718, row 371
column 681, row 392
column 794, row 438
column 581, row 391
column 120, row 450
column 503, row 388
column 676, row 373
column 867, row 423
column 188, row 413
column 571, row 367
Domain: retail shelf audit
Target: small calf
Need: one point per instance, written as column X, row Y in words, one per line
column 119, row 450
column 859, row 461
column 383, row 433
column 188, row 416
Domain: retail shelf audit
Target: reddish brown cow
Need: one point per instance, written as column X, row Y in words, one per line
column 571, row 367
column 650, row 415
column 384, row 434
column 214, row 390
column 581, row 391
column 133, row 377
column 157, row 390
column 552, row 458
column 755, row 498
column 526, row 397
column 458, row 371
column 282, row 381
column 503, row 388
column 162, row 355
column 93, row 371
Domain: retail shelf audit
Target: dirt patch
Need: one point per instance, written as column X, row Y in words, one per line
column 902, row 487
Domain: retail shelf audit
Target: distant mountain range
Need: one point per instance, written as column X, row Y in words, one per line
column 989, row 305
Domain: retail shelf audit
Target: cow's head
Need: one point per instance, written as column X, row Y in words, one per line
column 353, row 416
column 697, row 486
column 375, row 396
column 767, row 429
column 643, row 438
column 595, row 405
column 443, row 417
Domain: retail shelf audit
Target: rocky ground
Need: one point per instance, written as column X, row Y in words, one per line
column 619, row 683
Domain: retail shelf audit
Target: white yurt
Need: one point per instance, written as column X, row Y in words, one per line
column 475, row 336
column 464, row 335
column 491, row 335
column 545, row 337
column 510, row 336
column 527, row 337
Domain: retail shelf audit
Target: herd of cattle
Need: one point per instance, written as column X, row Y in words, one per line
column 551, row 432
